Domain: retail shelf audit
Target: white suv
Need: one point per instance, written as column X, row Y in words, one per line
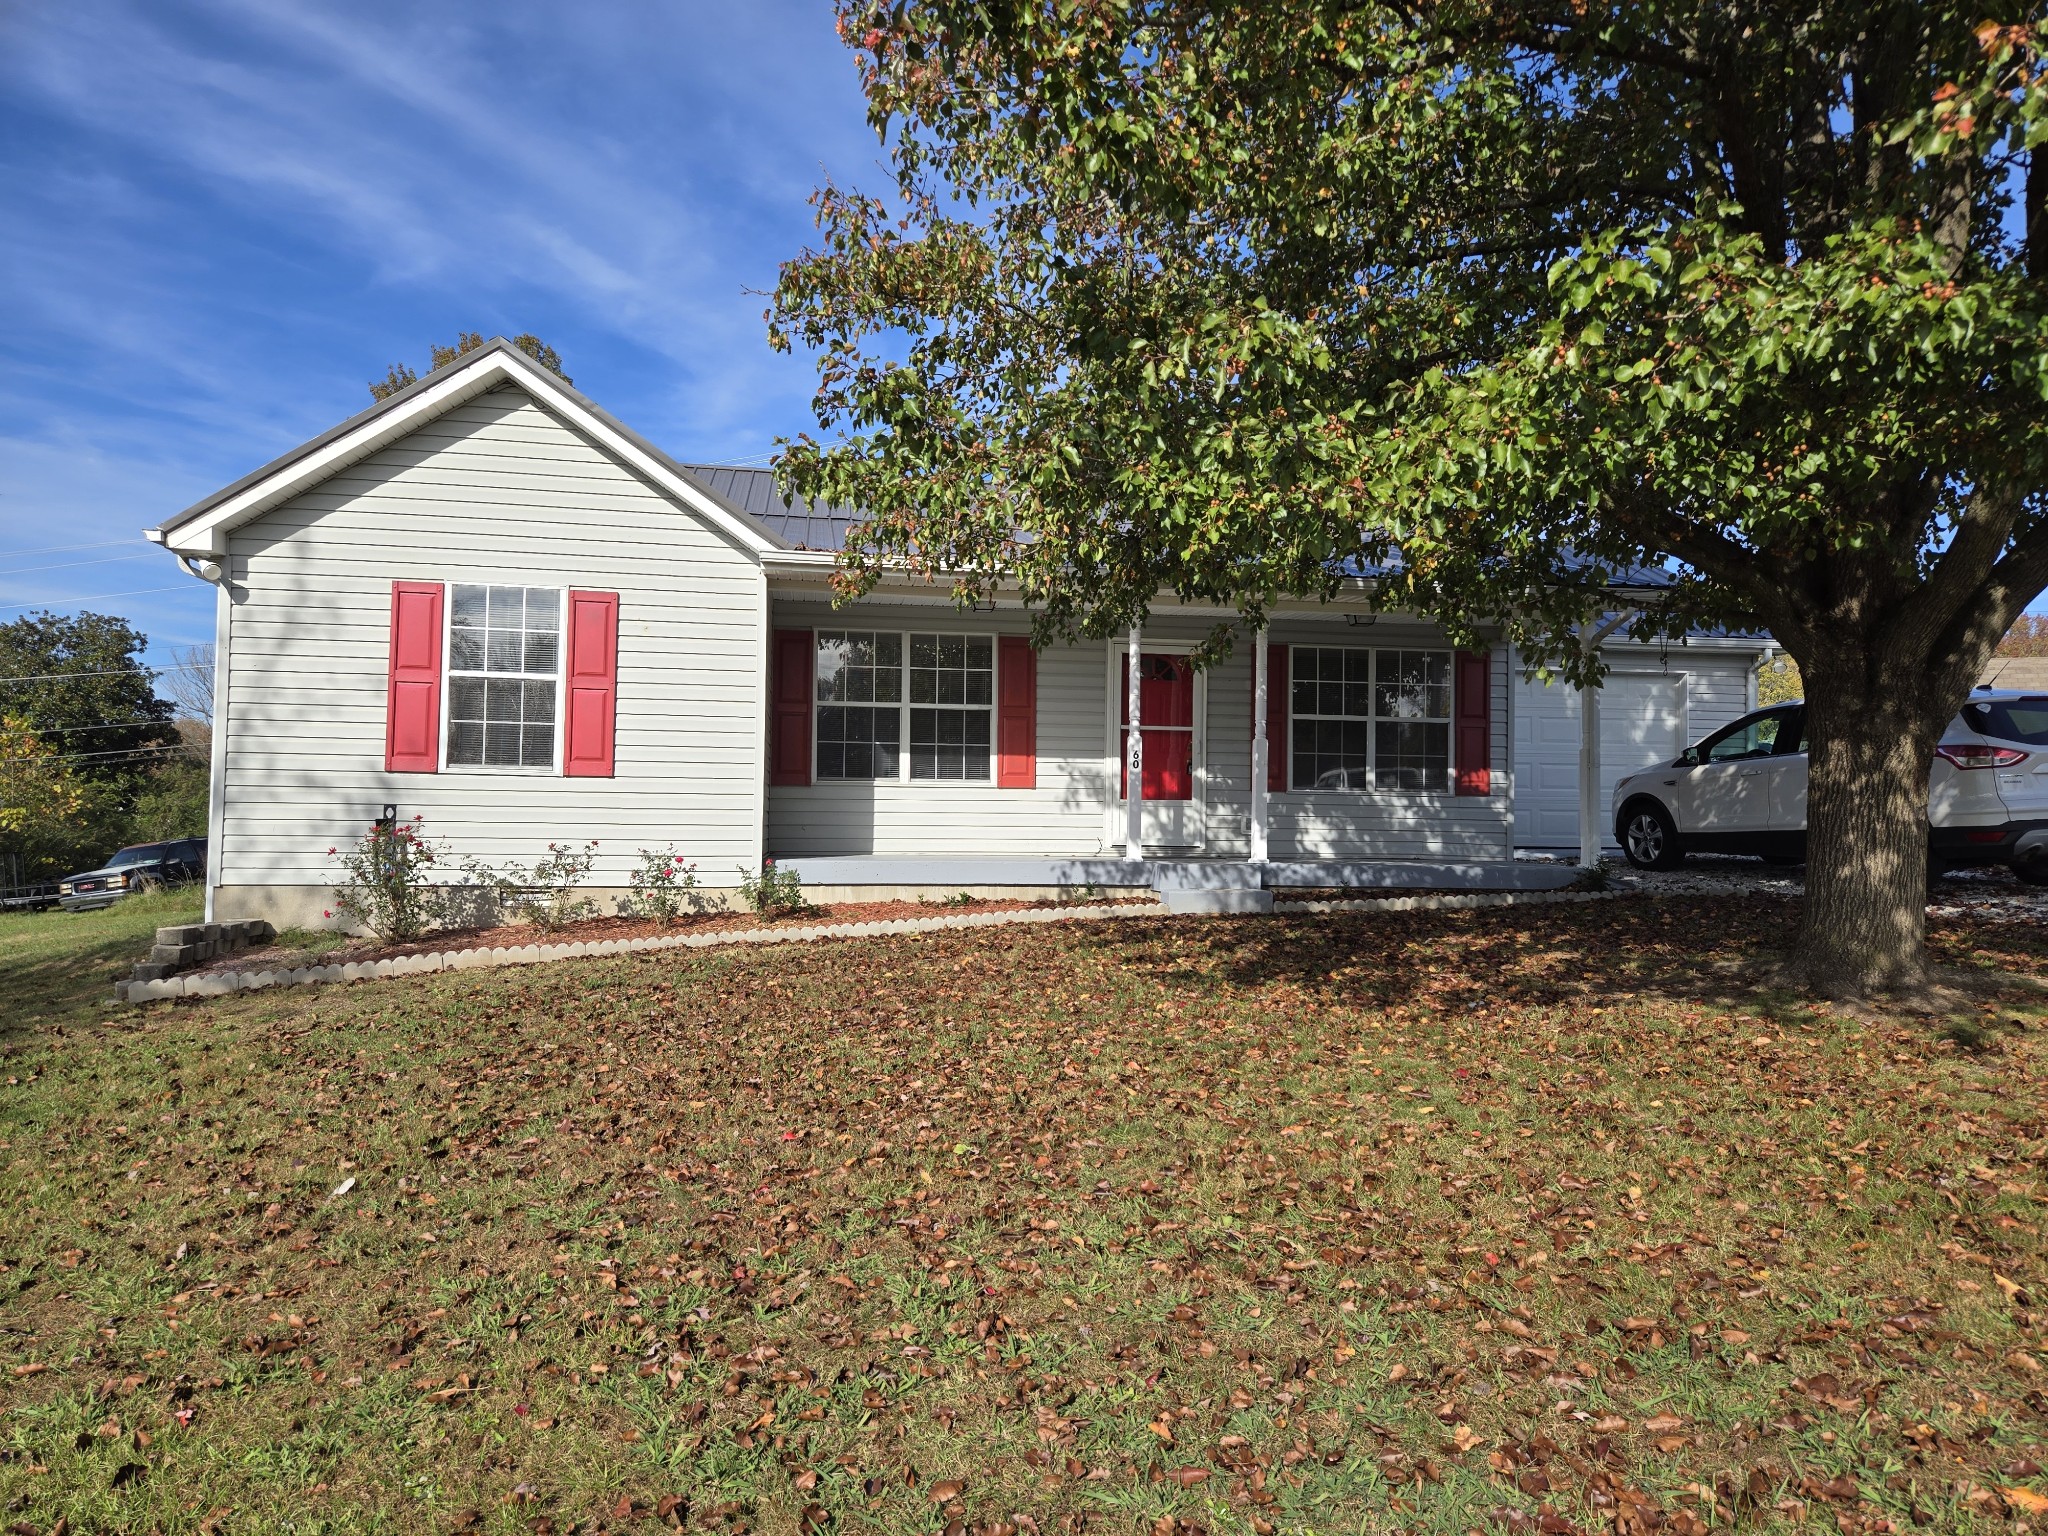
column 1743, row 790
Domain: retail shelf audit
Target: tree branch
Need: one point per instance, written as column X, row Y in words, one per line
column 2037, row 213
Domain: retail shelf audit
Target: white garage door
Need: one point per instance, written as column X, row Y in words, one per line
column 1642, row 721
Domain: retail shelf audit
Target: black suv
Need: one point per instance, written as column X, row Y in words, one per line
column 141, row 868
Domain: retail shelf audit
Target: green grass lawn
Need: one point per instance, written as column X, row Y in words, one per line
column 60, row 965
column 1532, row 1220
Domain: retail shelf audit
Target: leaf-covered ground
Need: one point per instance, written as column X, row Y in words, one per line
column 1533, row 1220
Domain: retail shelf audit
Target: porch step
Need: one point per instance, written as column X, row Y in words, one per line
column 1217, row 900
column 1420, row 874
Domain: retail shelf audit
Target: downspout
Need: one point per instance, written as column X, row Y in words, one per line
column 1756, row 671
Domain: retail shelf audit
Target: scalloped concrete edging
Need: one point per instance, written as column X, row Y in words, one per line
column 222, row 983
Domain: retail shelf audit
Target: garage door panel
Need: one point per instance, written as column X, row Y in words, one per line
column 1642, row 721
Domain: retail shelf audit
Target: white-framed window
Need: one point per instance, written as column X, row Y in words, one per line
column 504, row 676
column 1369, row 719
column 902, row 705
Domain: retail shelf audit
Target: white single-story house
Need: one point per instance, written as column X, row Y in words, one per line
column 486, row 602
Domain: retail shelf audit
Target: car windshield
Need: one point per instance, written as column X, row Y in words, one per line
column 142, row 853
column 2010, row 720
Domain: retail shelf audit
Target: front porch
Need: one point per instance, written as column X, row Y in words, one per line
column 1185, row 885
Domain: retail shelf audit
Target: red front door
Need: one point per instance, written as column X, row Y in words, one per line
column 1166, row 722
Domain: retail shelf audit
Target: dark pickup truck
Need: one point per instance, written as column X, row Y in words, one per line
column 144, row 867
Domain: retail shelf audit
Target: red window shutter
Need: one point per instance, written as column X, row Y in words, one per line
column 1472, row 730
column 1016, row 713
column 412, row 700
column 590, row 717
column 1276, row 714
column 789, row 749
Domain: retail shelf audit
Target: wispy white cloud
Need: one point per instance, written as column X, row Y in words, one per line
column 226, row 215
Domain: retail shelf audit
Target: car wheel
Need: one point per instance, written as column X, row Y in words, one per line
column 1648, row 838
column 2033, row 871
column 142, row 885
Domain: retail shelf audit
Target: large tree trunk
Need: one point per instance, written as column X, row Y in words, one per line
column 1871, row 741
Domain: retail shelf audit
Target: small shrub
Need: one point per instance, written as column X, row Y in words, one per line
column 664, row 887
column 544, row 895
column 388, row 887
column 1089, row 891
column 1594, row 877
column 773, row 889
column 957, row 899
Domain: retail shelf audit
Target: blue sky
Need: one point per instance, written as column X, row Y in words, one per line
column 226, row 216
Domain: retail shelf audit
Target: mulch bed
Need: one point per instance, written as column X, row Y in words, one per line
column 598, row 929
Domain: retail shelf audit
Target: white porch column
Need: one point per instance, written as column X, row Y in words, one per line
column 1261, row 750
column 1590, row 829
column 1134, row 763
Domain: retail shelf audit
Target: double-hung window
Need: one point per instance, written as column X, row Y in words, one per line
column 860, row 705
column 1367, row 719
column 504, row 675
column 952, row 689
column 873, row 722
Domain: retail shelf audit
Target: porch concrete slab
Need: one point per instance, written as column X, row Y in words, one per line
column 847, row 876
column 1422, row 874
column 961, row 872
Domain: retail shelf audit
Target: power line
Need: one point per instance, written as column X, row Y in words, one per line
column 79, row 757
column 94, row 597
column 108, row 725
column 65, row 549
column 72, row 565
column 53, row 677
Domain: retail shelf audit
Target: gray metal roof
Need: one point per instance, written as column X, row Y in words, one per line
column 752, row 493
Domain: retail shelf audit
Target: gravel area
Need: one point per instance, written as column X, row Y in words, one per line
column 1995, row 894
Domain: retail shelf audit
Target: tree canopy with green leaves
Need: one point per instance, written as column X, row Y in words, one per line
column 398, row 376
column 1492, row 300
column 87, row 735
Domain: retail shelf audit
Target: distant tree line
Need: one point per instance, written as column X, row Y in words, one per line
column 399, row 375
column 95, row 753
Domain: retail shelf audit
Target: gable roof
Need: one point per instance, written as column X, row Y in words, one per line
column 202, row 528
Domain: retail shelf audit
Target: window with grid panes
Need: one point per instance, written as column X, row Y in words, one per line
column 860, row 704
column 952, row 697
column 1364, row 719
column 504, row 675
column 1411, row 706
column 1330, row 696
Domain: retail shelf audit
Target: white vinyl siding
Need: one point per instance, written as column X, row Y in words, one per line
column 1063, row 815
column 1074, row 810
column 495, row 492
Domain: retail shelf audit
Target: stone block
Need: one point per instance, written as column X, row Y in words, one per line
column 184, row 933
column 177, row 954
column 153, row 970
column 212, row 986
